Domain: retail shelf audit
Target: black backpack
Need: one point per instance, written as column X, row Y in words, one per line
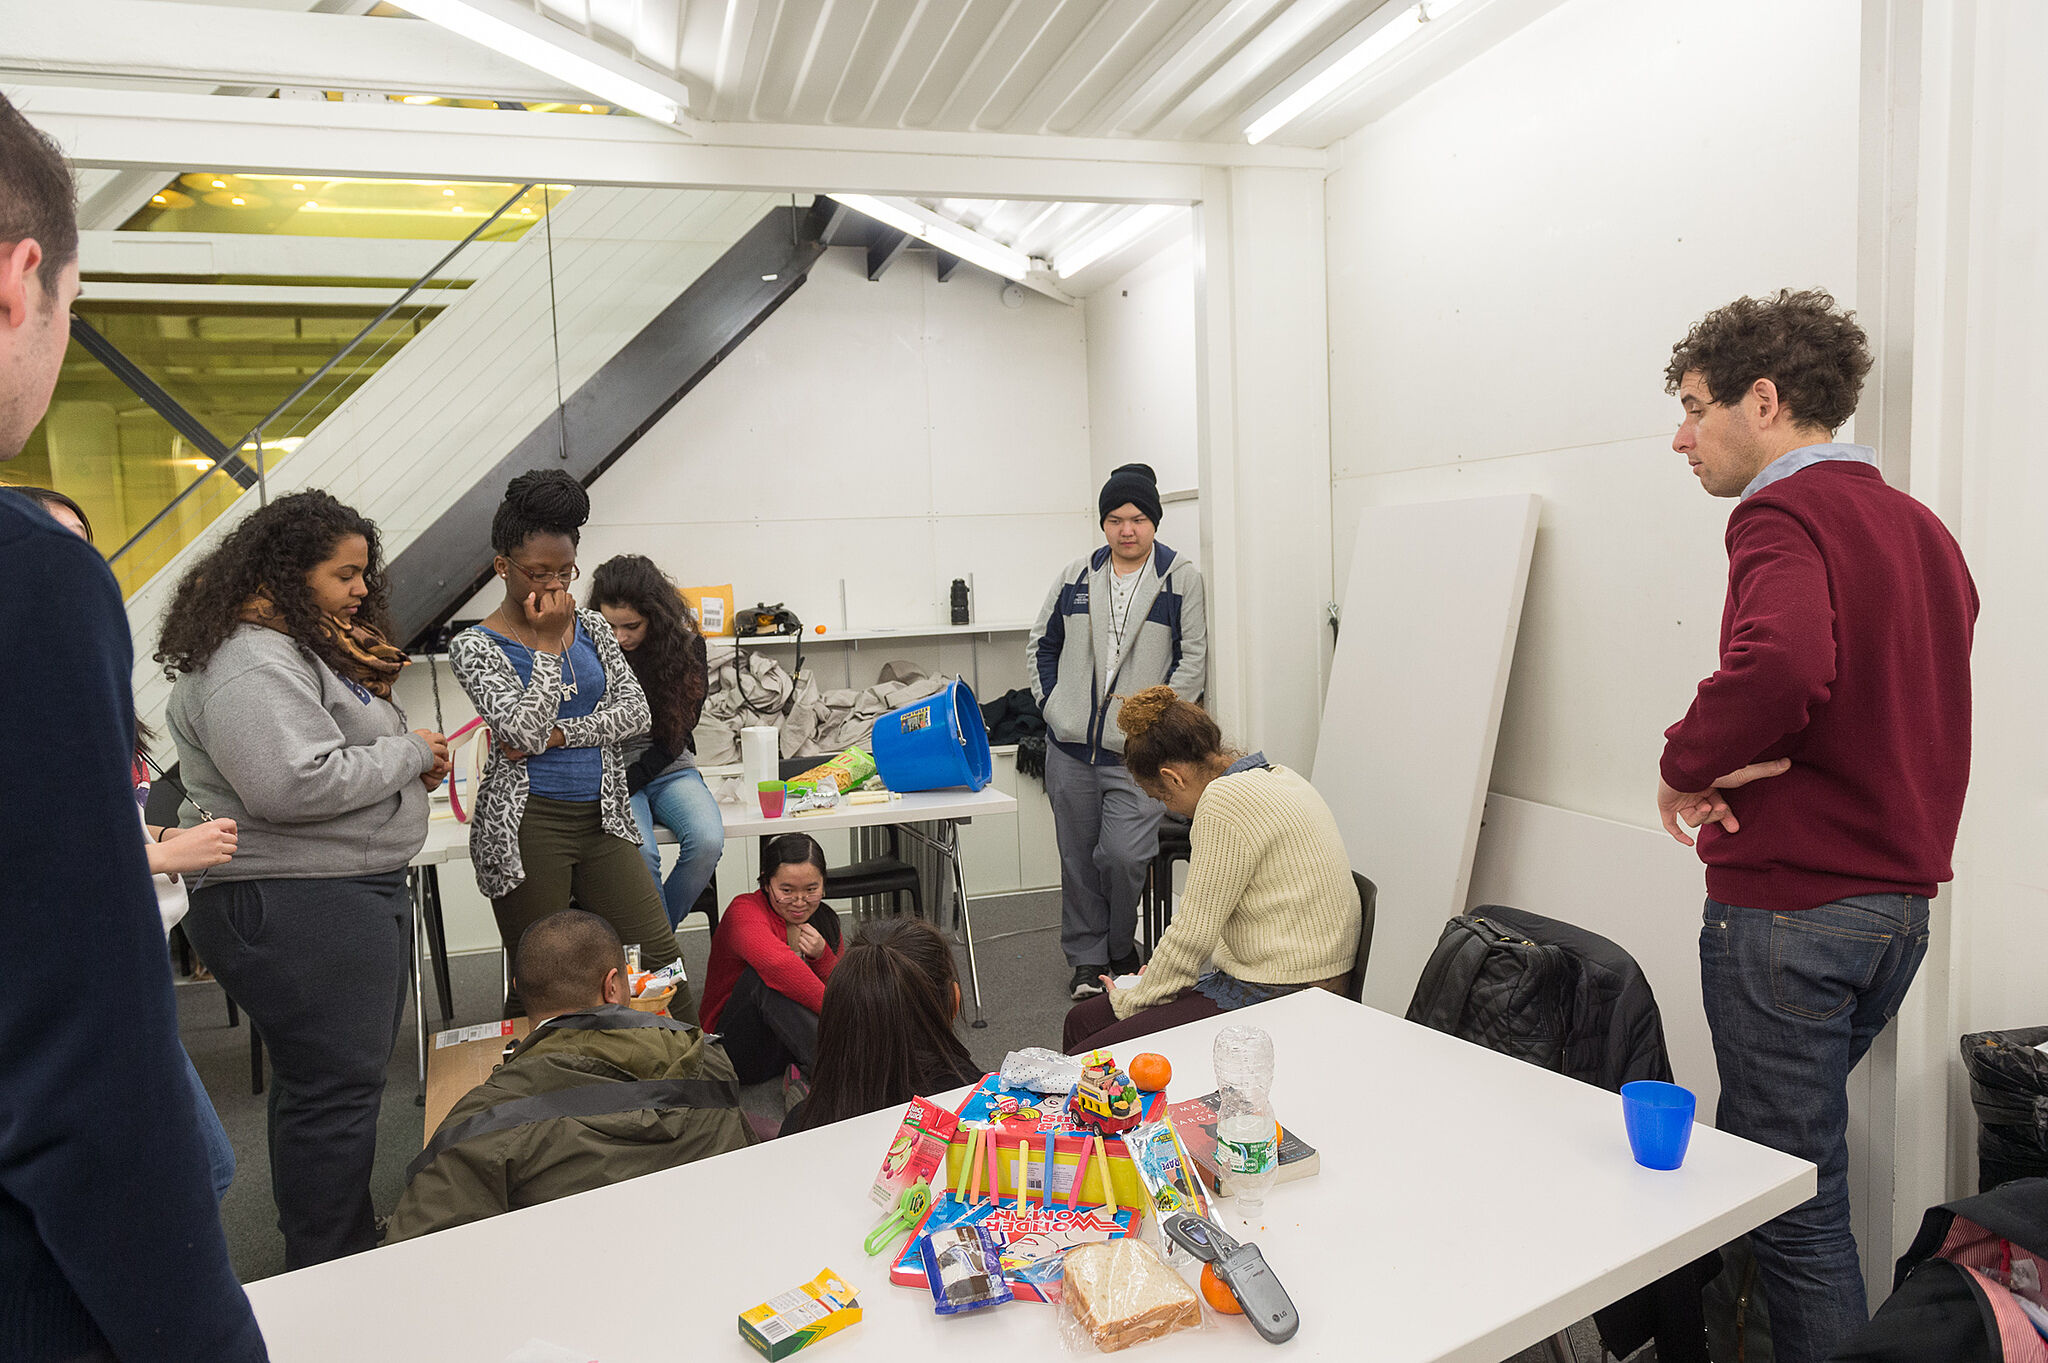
column 1957, row 1294
column 1492, row 986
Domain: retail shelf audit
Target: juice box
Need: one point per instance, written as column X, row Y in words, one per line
column 916, row 1152
column 801, row 1316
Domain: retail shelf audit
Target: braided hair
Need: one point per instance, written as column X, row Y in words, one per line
column 539, row 502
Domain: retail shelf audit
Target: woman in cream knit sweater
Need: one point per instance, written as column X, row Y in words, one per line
column 1270, row 906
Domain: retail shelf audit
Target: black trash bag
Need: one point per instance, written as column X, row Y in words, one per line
column 2009, row 1088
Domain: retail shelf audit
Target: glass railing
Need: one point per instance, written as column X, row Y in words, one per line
column 209, row 474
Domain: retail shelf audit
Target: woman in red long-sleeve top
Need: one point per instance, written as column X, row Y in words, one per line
column 770, row 958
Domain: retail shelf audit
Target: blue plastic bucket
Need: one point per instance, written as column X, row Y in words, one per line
column 936, row 744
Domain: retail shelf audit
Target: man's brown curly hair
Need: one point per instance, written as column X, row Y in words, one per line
column 1811, row 350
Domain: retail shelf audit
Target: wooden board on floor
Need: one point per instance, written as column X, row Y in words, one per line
column 454, row 1069
column 1413, row 709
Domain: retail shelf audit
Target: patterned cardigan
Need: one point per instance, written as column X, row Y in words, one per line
column 522, row 716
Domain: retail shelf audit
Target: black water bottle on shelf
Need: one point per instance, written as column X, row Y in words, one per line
column 959, row 600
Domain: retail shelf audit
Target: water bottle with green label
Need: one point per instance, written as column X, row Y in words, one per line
column 1247, row 1136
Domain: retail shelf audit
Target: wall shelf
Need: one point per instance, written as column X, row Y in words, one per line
column 854, row 636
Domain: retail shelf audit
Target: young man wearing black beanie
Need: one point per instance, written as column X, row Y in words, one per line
column 1127, row 616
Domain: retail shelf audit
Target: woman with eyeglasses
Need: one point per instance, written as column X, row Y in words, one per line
column 770, row 958
column 554, row 823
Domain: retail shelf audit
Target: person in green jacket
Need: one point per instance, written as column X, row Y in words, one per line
column 534, row 1131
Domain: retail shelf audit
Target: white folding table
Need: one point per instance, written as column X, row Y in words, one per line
column 1469, row 1205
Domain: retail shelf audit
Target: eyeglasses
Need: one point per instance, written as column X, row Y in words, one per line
column 541, row 579
column 799, row 896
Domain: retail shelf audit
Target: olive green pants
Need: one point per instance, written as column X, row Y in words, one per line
column 571, row 862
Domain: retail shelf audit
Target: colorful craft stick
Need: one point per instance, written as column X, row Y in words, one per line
column 1051, row 1144
column 1023, row 1172
column 995, row 1190
column 1080, row 1173
column 1102, row 1163
column 970, row 1171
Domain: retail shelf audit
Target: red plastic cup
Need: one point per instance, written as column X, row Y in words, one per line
column 772, row 793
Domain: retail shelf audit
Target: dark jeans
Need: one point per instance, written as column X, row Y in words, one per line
column 1093, row 1024
column 1794, row 1001
column 764, row 1032
column 320, row 968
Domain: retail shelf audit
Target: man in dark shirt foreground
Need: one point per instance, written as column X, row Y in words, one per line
column 110, row 1239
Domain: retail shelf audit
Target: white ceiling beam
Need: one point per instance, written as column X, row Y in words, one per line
column 101, row 127
column 269, row 295
column 167, row 40
column 118, row 199
column 259, row 254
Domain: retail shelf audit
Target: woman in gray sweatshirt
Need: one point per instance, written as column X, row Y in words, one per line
column 284, row 722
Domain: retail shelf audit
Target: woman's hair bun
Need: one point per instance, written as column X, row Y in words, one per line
column 1142, row 711
column 549, row 500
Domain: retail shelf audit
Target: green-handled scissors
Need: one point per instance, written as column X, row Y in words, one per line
column 911, row 1203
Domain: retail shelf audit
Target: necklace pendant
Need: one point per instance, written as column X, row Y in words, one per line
column 568, row 690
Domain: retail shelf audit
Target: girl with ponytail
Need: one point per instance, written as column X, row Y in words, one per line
column 1270, row 906
column 554, row 824
column 886, row 1033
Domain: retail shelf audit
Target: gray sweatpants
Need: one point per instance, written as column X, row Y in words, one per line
column 1108, row 832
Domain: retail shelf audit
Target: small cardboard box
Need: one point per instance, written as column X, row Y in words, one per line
column 801, row 1316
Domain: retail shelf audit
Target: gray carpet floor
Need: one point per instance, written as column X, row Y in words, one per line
column 1024, row 1001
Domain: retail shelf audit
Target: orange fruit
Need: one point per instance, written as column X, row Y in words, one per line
column 1150, row 1071
column 1217, row 1292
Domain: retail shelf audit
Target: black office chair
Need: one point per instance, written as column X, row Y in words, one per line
column 166, row 798
column 1368, row 900
column 888, row 875
column 1157, row 902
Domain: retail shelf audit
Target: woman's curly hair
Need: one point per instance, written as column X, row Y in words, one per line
column 269, row 555
column 670, row 660
column 1159, row 727
column 1811, row 350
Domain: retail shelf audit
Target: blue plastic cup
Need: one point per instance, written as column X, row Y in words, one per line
column 1659, row 1120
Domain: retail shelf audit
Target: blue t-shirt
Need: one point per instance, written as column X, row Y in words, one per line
column 565, row 773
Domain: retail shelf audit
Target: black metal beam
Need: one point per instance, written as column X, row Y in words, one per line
column 948, row 262
column 883, row 250
column 451, row 560
column 833, row 218
column 96, row 344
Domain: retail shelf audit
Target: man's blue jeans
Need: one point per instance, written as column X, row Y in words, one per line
column 684, row 805
column 1794, row 1000
column 220, row 1154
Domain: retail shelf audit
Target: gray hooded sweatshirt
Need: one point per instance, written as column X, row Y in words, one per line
column 322, row 778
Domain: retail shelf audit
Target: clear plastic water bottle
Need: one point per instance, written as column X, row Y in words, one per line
column 1247, row 1136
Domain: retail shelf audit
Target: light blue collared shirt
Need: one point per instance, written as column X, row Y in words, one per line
column 1806, row 456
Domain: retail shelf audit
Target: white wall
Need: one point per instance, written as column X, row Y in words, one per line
column 895, row 434
column 1141, row 370
column 1512, row 254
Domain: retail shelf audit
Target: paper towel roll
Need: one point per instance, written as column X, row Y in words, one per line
column 760, row 754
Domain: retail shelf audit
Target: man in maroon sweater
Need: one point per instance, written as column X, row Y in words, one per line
column 1824, row 762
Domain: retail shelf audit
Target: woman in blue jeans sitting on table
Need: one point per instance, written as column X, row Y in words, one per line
column 666, row 652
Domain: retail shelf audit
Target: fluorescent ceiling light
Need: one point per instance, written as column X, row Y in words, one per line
column 512, row 31
column 1119, row 233
column 950, row 237
column 1409, row 23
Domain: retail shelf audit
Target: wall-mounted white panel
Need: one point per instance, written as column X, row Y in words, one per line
column 1414, row 705
column 1622, row 615
column 1513, row 252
